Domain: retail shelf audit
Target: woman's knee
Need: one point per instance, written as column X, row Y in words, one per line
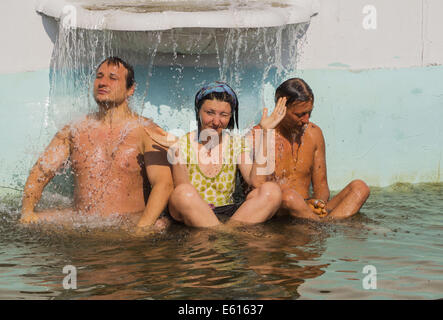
column 272, row 192
column 179, row 200
column 183, row 193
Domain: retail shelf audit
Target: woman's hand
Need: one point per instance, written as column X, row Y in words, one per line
column 270, row 122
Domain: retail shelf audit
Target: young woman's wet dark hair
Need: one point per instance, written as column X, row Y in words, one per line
column 115, row 61
column 294, row 89
column 219, row 91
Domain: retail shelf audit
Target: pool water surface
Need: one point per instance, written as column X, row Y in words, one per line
column 398, row 232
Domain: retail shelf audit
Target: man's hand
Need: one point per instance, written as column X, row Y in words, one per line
column 29, row 217
column 270, row 122
column 318, row 207
column 142, row 229
column 161, row 137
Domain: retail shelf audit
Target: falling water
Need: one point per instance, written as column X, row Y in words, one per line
column 170, row 66
column 247, row 59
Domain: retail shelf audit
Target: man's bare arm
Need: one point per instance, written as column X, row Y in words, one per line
column 180, row 173
column 160, row 178
column 167, row 140
column 43, row 171
column 160, row 136
column 319, row 178
column 315, row 207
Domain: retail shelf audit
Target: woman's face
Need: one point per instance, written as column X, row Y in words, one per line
column 215, row 114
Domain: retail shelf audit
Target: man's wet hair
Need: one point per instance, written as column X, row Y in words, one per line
column 115, row 61
column 294, row 89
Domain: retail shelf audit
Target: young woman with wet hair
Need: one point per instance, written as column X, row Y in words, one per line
column 208, row 159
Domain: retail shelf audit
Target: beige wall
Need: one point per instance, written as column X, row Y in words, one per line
column 408, row 34
column 26, row 45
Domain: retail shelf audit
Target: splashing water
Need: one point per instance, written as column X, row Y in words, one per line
column 246, row 58
column 170, row 66
column 398, row 231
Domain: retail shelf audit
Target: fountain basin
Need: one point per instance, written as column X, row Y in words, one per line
column 149, row 15
column 186, row 27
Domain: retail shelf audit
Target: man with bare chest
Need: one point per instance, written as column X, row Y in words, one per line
column 117, row 168
column 300, row 160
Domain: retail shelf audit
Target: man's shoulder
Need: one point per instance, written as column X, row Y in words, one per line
column 82, row 122
column 146, row 122
column 141, row 124
column 148, row 130
column 70, row 128
column 315, row 133
column 314, row 129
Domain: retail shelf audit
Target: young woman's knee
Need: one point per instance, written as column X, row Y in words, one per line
column 183, row 193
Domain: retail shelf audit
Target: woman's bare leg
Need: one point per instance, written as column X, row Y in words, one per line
column 260, row 205
column 186, row 205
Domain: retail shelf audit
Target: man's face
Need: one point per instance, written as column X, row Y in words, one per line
column 110, row 85
column 298, row 114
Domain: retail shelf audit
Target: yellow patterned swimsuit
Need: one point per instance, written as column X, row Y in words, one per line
column 217, row 191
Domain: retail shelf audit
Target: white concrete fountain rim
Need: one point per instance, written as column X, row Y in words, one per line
column 145, row 15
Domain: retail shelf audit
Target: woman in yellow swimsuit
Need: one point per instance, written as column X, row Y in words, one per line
column 208, row 159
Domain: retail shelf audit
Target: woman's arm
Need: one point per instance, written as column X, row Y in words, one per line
column 262, row 141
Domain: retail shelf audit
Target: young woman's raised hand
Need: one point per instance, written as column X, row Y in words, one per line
column 270, row 122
